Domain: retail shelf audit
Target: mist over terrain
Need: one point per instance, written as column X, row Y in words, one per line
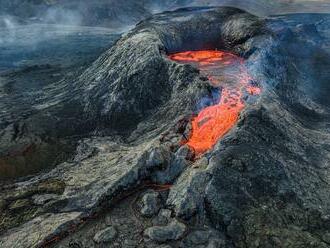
column 123, row 15
column 114, row 13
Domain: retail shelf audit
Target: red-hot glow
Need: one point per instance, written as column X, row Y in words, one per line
column 226, row 71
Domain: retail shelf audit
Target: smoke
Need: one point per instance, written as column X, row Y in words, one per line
column 62, row 16
column 8, row 22
column 110, row 13
column 31, row 31
column 25, row 22
column 8, row 29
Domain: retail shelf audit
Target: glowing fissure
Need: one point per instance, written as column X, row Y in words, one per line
column 228, row 73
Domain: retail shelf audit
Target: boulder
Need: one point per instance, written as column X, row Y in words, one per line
column 150, row 204
column 173, row 231
column 105, row 236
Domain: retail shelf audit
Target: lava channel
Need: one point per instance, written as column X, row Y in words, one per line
column 230, row 77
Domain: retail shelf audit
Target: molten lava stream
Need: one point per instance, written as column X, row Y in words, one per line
column 226, row 71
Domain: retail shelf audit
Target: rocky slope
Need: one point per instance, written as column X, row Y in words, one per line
column 265, row 184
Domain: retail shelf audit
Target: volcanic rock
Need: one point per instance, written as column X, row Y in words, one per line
column 173, row 170
column 43, row 199
column 197, row 238
column 188, row 193
column 216, row 243
column 163, row 218
column 204, row 238
column 165, row 246
column 29, row 234
column 177, row 164
column 150, row 204
column 106, row 235
column 174, row 231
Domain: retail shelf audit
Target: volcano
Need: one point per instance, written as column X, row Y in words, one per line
column 199, row 127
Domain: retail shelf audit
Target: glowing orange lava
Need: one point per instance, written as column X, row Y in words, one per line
column 227, row 72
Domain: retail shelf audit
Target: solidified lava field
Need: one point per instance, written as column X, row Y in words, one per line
column 197, row 127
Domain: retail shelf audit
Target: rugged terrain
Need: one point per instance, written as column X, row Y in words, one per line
column 128, row 180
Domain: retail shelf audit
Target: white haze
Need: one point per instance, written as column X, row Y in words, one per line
column 12, row 31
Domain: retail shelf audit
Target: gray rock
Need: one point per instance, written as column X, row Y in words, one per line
column 2, row 204
column 326, row 237
column 105, row 236
column 84, row 151
column 187, row 195
column 174, row 169
column 163, row 217
column 150, row 204
column 43, row 199
column 159, row 157
column 217, row 243
column 203, row 238
column 174, row 231
column 184, row 152
column 198, row 237
column 19, row 204
column 35, row 232
column 130, row 243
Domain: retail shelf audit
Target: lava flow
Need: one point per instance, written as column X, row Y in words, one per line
column 228, row 74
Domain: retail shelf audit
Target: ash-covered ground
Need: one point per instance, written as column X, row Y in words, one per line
column 112, row 131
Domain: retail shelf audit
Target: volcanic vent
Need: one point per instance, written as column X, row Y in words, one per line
column 231, row 82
